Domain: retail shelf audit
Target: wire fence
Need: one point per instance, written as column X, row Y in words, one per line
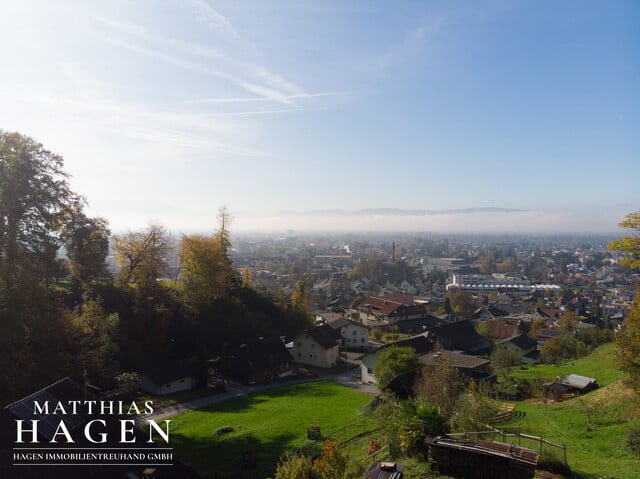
column 343, row 434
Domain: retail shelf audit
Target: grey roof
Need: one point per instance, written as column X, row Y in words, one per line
column 577, row 382
column 455, row 360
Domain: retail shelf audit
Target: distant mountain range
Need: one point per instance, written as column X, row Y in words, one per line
column 398, row 212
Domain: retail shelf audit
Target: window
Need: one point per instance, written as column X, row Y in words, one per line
column 354, row 332
column 369, row 371
column 362, row 340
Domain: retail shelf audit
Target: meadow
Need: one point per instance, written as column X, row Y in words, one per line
column 594, row 426
column 265, row 425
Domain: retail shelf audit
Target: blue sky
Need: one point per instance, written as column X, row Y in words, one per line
column 167, row 110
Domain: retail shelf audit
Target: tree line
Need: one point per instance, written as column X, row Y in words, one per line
column 63, row 312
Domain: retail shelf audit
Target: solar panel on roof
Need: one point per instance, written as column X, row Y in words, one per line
column 48, row 423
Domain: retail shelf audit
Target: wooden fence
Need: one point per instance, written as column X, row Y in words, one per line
column 539, row 442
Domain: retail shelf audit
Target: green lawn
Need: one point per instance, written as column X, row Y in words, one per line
column 595, row 447
column 267, row 423
column 600, row 364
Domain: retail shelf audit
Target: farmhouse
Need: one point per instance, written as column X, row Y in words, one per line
column 460, row 336
column 316, row 347
column 253, row 362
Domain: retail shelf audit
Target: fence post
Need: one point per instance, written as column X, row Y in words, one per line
column 541, row 446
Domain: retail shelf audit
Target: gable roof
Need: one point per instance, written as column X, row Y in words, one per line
column 324, row 335
column 257, row 356
column 577, row 382
column 460, row 335
column 405, row 299
column 63, row 390
column 523, row 341
column 501, row 329
column 420, row 343
column 342, row 322
column 167, row 373
column 379, row 305
column 455, row 360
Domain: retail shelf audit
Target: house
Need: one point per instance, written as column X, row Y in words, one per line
column 169, row 378
column 64, row 390
column 316, row 346
column 461, row 336
column 465, row 364
column 419, row 343
column 500, row 330
column 351, row 333
column 579, row 384
column 569, row 384
column 469, row 367
column 254, row 362
column 389, row 309
column 523, row 346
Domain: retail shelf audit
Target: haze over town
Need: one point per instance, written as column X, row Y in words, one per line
column 166, row 111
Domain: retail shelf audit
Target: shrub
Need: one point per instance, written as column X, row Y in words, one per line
column 222, row 430
column 293, row 466
column 632, row 441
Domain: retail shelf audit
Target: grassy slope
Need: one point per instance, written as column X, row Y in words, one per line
column 599, row 364
column 595, row 449
column 270, row 422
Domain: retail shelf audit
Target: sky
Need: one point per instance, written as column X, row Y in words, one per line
column 167, row 110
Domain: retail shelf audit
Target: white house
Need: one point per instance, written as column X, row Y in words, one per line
column 352, row 333
column 316, row 347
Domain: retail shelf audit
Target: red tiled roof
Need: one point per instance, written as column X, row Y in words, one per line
column 501, row 329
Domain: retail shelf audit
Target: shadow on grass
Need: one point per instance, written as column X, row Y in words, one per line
column 242, row 456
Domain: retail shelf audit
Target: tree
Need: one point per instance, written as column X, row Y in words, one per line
column 461, row 302
column 628, row 342
column 405, row 424
column 441, row 385
column 35, row 200
column 393, row 362
column 502, row 360
column 568, row 321
column 557, row 349
column 205, row 269
column 142, row 255
column 94, row 334
column 87, row 243
column 630, row 244
column 473, row 411
column 300, row 296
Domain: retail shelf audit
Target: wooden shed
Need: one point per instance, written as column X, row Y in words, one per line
column 481, row 459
